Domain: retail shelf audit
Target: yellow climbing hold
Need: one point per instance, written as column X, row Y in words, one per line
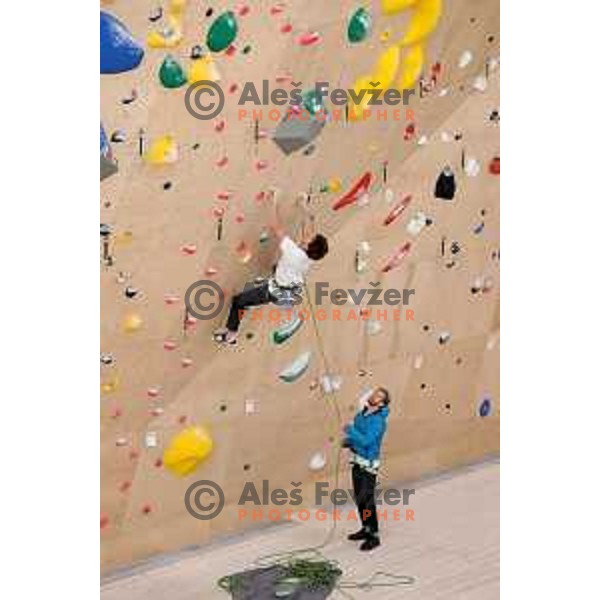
column 163, row 151
column 168, row 37
column 384, row 36
column 425, row 19
column 203, row 69
column 110, row 386
column 132, row 323
column 391, row 7
column 412, row 62
column 187, row 450
column 387, row 67
column 334, row 185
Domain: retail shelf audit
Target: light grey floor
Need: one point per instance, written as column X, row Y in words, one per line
column 452, row 548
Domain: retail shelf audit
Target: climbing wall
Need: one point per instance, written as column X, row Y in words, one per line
column 184, row 199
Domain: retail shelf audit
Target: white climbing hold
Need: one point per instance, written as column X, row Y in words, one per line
column 472, row 167
column 250, row 407
column 331, row 383
column 317, row 462
column 465, row 59
column 389, row 195
column 151, row 439
column 373, row 327
column 445, row 136
column 480, row 83
column 418, row 361
column 422, row 140
column 296, row 369
column 416, row 224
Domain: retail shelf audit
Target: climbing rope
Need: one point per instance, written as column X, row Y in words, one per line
column 309, row 566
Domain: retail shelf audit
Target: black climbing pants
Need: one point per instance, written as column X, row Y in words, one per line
column 256, row 296
column 364, row 484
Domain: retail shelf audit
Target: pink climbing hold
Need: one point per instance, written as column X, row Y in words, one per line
column 116, row 412
column 286, row 28
column 397, row 257
column 125, row 486
column 310, row 38
column 398, row 209
column 222, row 162
column 220, row 125
column 224, row 195
column 186, row 362
column 153, row 392
column 231, row 50
column 104, row 520
column 243, row 10
column 218, row 212
column 233, row 88
column 277, row 9
column 169, row 345
column 240, row 218
column 146, row 508
column 189, row 249
column 261, row 165
column 171, row 299
column 210, row 271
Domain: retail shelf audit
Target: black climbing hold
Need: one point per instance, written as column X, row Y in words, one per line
column 249, row 335
column 428, row 221
column 445, row 186
column 455, row 248
column 167, row 185
column 459, row 361
column 131, row 292
column 209, row 12
column 197, row 52
column 473, row 19
column 444, row 338
column 246, row 467
column 494, row 116
column 196, row 146
column 425, row 327
column 423, row 386
column 223, row 407
column 485, row 408
column 491, row 39
column 247, row 49
column 448, row 406
column 105, row 230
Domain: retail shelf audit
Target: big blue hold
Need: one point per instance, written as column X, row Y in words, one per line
column 119, row 52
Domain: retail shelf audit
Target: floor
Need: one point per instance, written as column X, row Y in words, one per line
column 452, row 548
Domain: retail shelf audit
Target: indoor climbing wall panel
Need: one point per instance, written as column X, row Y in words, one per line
column 184, row 199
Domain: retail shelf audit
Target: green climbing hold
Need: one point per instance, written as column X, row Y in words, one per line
column 222, row 32
column 359, row 26
column 171, row 74
column 313, row 102
column 286, row 331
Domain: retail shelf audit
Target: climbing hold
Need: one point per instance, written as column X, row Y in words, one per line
column 391, row 7
column 465, row 59
column 132, row 323
column 416, row 223
column 203, row 69
column 108, row 164
column 445, row 186
column 495, row 166
column 119, row 52
column 398, row 209
column 317, row 462
column 472, row 167
column 296, row 369
column 396, row 258
column 222, row 32
column 163, row 151
column 426, row 16
column 287, row 330
column 171, row 74
column 187, row 450
column 310, row 38
column 169, row 37
column 485, row 408
column 411, row 66
column 334, row 185
column 313, row 102
column 359, row 26
column 360, row 188
column 331, row 383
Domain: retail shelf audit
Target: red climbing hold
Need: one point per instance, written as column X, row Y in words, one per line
column 189, row 249
column 310, row 38
column 398, row 209
column 287, row 28
column 359, row 188
column 146, row 508
column 103, row 521
column 495, row 166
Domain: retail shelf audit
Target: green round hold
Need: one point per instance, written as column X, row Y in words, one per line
column 359, row 26
column 222, row 32
column 313, row 102
column 171, row 74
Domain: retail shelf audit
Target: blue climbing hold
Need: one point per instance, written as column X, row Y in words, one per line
column 119, row 52
column 485, row 408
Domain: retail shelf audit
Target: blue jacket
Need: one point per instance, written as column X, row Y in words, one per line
column 365, row 435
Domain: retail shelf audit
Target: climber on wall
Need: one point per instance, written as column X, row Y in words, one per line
column 364, row 437
column 284, row 287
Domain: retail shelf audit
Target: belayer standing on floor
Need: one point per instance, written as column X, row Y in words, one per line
column 364, row 438
column 285, row 285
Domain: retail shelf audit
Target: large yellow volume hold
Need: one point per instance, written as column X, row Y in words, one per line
column 391, row 7
column 425, row 18
column 187, row 450
column 411, row 66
